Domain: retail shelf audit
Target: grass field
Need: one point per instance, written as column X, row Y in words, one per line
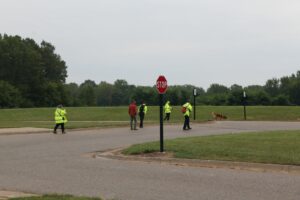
column 82, row 117
column 277, row 147
column 55, row 197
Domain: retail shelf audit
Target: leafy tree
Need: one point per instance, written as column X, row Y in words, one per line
column 55, row 68
column 258, row 98
column 217, row 89
column 26, row 65
column 87, row 93
column 217, row 99
column 104, row 93
column 280, row 100
column 173, row 94
column 142, row 93
column 121, row 93
column 72, row 92
column 294, row 91
column 235, row 96
column 56, row 94
column 9, row 95
column 272, row 87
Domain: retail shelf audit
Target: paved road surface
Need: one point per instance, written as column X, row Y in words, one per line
column 48, row 163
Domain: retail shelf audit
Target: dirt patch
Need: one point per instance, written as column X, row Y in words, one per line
column 24, row 130
column 4, row 194
column 156, row 155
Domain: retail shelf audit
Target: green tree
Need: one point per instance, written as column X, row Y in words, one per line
column 294, row 91
column 9, row 96
column 147, row 94
column 72, row 92
column 87, row 93
column 235, row 96
column 217, row 89
column 55, row 69
column 281, row 100
column 56, row 94
column 272, row 87
column 26, row 65
column 121, row 93
column 104, row 93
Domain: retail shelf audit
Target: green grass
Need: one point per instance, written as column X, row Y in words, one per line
column 83, row 117
column 55, row 197
column 277, row 147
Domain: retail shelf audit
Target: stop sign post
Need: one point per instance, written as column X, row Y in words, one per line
column 195, row 95
column 161, row 86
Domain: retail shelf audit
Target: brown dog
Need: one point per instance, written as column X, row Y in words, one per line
column 218, row 116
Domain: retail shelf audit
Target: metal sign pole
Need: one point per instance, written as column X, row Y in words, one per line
column 194, row 107
column 195, row 94
column 161, row 123
column 245, row 114
column 161, row 86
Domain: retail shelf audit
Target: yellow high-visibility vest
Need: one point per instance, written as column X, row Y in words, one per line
column 189, row 109
column 60, row 116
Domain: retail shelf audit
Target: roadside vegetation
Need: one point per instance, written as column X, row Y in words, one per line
column 276, row 147
column 84, row 117
column 55, row 197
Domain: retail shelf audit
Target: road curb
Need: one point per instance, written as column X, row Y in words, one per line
column 165, row 158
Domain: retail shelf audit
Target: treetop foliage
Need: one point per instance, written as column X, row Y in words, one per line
column 34, row 70
column 33, row 75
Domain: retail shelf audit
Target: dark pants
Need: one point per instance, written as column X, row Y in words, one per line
column 186, row 123
column 167, row 117
column 62, row 127
column 133, row 122
column 142, row 116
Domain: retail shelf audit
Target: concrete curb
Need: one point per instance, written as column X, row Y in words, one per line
column 164, row 158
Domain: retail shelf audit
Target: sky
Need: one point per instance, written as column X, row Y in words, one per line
column 196, row 42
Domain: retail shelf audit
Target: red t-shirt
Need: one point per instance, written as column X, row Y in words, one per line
column 132, row 111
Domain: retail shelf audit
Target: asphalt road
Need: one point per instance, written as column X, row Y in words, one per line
column 48, row 163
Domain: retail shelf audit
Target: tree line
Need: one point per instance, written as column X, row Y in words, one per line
column 33, row 75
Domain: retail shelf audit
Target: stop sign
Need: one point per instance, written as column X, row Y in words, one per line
column 161, row 85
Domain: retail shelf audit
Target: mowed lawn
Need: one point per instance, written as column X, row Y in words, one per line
column 83, row 117
column 276, row 147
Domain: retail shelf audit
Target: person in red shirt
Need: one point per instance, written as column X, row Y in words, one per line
column 132, row 111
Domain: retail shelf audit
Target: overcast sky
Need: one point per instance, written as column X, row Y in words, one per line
column 189, row 41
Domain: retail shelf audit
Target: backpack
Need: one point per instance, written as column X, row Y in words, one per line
column 183, row 109
column 141, row 110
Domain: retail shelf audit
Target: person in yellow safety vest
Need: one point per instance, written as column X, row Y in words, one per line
column 186, row 110
column 60, row 118
column 168, row 110
column 142, row 112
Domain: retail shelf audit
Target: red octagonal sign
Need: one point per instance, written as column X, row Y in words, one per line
column 161, row 85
